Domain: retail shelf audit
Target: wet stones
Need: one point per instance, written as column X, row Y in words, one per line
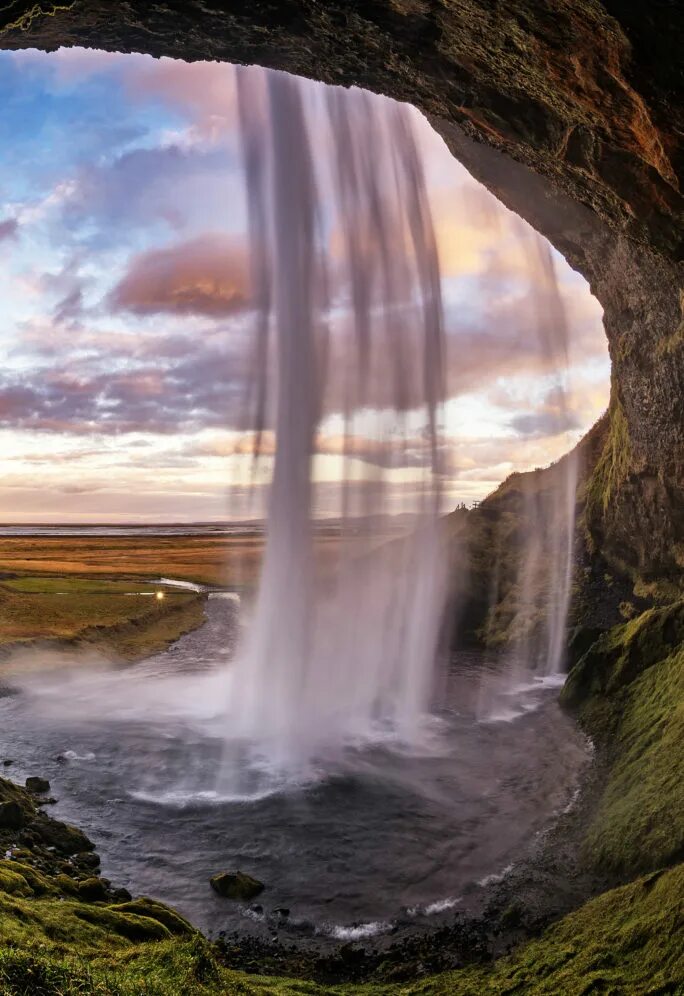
column 236, row 885
column 65, row 839
column 37, row 785
column 88, row 859
column 93, row 890
column 12, row 816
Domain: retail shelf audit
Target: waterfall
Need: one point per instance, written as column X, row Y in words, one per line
column 546, row 548
column 342, row 642
column 348, row 363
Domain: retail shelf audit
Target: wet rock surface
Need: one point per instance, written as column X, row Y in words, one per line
column 52, row 847
column 236, row 885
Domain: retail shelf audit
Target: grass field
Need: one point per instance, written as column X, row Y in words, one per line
column 120, row 619
column 219, row 560
column 99, row 591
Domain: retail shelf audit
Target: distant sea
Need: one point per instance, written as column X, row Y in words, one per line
column 155, row 529
column 388, row 524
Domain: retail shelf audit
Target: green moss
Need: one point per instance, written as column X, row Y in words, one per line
column 629, row 940
column 660, row 591
column 143, row 906
column 128, row 925
column 612, row 466
column 640, row 821
column 629, row 689
column 14, row 883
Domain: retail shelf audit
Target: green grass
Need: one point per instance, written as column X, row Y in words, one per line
column 46, row 585
column 110, row 616
column 627, row 941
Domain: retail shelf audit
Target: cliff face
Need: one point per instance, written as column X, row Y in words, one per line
column 571, row 111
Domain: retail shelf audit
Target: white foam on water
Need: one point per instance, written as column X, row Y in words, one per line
column 502, row 716
column 359, row 931
column 71, row 755
column 496, row 877
column 438, row 906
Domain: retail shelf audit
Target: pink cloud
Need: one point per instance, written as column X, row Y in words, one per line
column 204, row 276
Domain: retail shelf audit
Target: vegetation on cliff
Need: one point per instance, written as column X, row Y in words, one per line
column 629, row 691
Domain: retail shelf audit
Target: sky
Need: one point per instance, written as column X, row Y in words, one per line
column 125, row 305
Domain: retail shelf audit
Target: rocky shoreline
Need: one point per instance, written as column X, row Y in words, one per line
column 515, row 907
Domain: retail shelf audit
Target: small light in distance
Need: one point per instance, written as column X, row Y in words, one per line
column 159, row 596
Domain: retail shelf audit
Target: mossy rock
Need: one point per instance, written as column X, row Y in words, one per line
column 40, row 885
column 14, row 883
column 93, row 890
column 37, row 785
column 236, row 885
column 129, row 925
column 143, row 906
column 64, row 838
column 65, row 884
column 620, row 655
column 629, row 692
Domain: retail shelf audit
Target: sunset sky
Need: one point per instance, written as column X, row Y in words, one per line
column 124, row 303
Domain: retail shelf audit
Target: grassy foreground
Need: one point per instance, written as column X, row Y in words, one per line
column 627, row 941
column 97, row 593
column 121, row 619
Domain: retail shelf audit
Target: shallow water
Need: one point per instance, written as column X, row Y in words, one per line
column 370, row 840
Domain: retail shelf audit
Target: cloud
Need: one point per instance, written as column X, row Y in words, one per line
column 67, row 285
column 204, row 92
column 542, row 424
column 204, row 276
column 107, row 198
column 8, row 229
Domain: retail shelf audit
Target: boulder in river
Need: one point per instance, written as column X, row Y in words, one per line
column 37, row 785
column 236, row 885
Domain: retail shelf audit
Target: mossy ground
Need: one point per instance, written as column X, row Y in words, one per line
column 628, row 941
column 629, row 690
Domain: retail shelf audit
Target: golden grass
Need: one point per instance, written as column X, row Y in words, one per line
column 206, row 559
